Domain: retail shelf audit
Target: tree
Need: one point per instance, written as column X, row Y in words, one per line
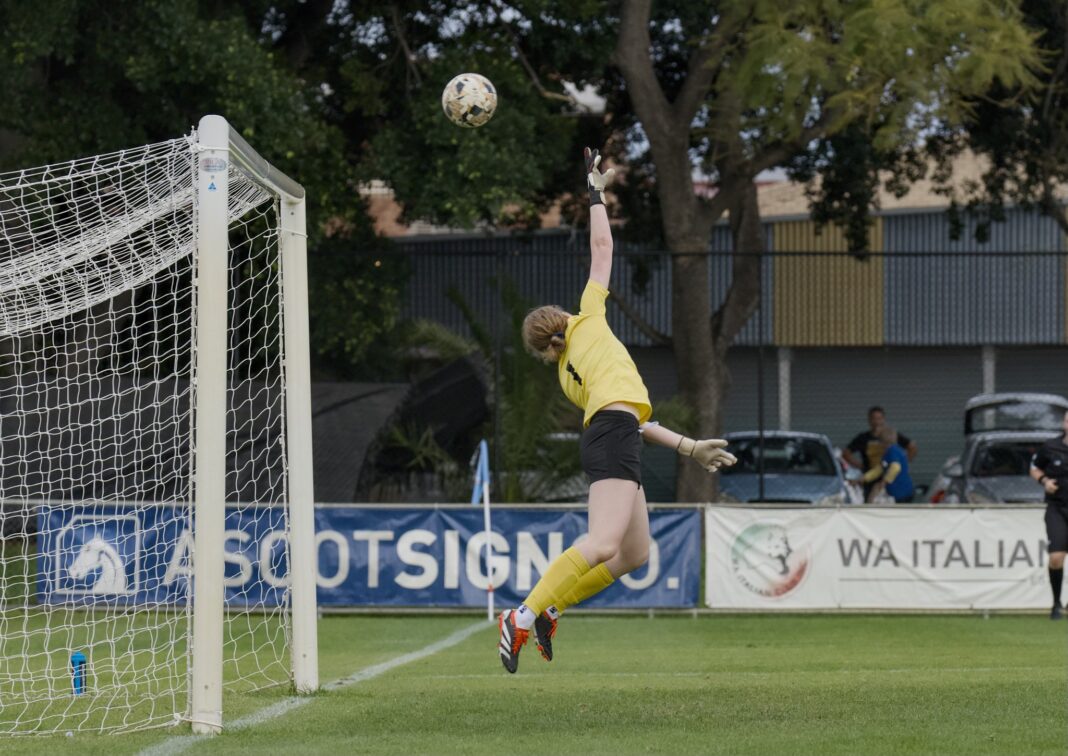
column 84, row 76
column 344, row 91
column 1022, row 132
column 764, row 82
column 81, row 77
column 727, row 88
column 390, row 64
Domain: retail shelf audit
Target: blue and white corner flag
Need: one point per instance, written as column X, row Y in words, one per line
column 482, row 477
column 480, row 493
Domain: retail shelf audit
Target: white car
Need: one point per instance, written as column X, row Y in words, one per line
column 994, row 469
column 991, row 413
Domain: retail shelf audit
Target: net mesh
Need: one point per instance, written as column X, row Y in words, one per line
column 97, row 383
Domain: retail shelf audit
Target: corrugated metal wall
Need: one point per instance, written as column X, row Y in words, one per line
column 552, row 269
column 644, row 281
column 826, row 299
column 940, row 291
column 922, row 390
column 1043, row 369
column 546, row 269
column 917, row 287
column 901, row 327
column 721, row 277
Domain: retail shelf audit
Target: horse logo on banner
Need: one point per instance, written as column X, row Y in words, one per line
column 98, row 555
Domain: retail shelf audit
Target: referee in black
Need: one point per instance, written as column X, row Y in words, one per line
column 1049, row 467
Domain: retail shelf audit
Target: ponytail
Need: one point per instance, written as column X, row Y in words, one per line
column 544, row 331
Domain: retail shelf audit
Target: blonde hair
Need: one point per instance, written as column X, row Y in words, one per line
column 543, row 332
column 887, row 435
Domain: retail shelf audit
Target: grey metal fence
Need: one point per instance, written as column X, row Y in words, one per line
column 916, row 330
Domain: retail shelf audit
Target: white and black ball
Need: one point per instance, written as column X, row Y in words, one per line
column 469, row 100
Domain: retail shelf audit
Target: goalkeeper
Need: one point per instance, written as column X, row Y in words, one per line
column 597, row 374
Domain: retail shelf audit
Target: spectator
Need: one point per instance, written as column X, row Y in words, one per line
column 892, row 474
column 865, row 452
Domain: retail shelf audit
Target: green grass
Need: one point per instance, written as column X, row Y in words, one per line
column 716, row 684
column 137, row 659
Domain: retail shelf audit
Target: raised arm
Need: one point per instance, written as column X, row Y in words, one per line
column 600, row 231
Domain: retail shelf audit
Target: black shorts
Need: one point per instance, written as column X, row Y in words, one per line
column 611, row 447
column 1057, row 527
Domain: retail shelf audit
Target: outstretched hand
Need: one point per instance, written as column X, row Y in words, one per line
column 709, row 453
column 595, row 180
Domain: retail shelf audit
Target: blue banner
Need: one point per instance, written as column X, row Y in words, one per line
column 378, row 556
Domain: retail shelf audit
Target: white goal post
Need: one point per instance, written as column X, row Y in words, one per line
column 219, row 146
column 157, row 543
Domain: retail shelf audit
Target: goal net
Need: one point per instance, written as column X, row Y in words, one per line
column 104, row 368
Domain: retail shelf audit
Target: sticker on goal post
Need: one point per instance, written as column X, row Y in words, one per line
column 212, row 164
column 98, row 555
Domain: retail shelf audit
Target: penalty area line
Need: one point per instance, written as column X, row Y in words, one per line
column 181, row 743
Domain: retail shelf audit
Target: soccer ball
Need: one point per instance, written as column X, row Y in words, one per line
column 469, row 100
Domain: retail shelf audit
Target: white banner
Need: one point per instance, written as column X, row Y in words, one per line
column 876, row 558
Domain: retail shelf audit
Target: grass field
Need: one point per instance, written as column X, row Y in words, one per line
column 715, row 684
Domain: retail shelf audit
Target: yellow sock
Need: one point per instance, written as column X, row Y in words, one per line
column 560, row 578
column 593, row 582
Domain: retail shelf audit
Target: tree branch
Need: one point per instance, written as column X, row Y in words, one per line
column 303, row 23
column 1058, row 73
column 669, row 140
column 703, row 69
column 409, row 56
column 657, row 337
column 745, row 292
column 711, row 210
column 778, row 154
column 534, row 75
column 1052, row 207
column 632, row 57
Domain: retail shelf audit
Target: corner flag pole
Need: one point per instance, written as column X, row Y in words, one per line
column 481, row 490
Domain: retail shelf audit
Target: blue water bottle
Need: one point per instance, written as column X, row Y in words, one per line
column 77, row 672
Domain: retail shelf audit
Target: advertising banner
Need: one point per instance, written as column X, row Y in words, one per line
column 384, row 556
column 876, row 558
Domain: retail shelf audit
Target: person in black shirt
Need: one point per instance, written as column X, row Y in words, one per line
column 1049, row 467
column 865, row 451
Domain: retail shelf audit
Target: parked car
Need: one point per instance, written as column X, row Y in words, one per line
column 1013, row 411
column 994, row 469
column 1005, row 411
column 798, row 468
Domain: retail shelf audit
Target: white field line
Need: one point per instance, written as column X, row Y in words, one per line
column 750, row 673
column 181, row 743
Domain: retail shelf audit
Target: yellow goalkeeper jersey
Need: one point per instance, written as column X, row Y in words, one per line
column 595, row 369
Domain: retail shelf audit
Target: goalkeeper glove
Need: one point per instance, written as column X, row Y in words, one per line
column 708, row 453
column 595, row 180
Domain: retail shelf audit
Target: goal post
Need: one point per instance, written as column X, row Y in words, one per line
column 157, row 543
column 218, row 145
column 209, row 462
column 303, row 553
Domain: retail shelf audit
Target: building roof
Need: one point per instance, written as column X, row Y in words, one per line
column 787, row 198
column 778, row 199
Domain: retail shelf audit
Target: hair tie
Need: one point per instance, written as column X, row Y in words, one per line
column 559, row 333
